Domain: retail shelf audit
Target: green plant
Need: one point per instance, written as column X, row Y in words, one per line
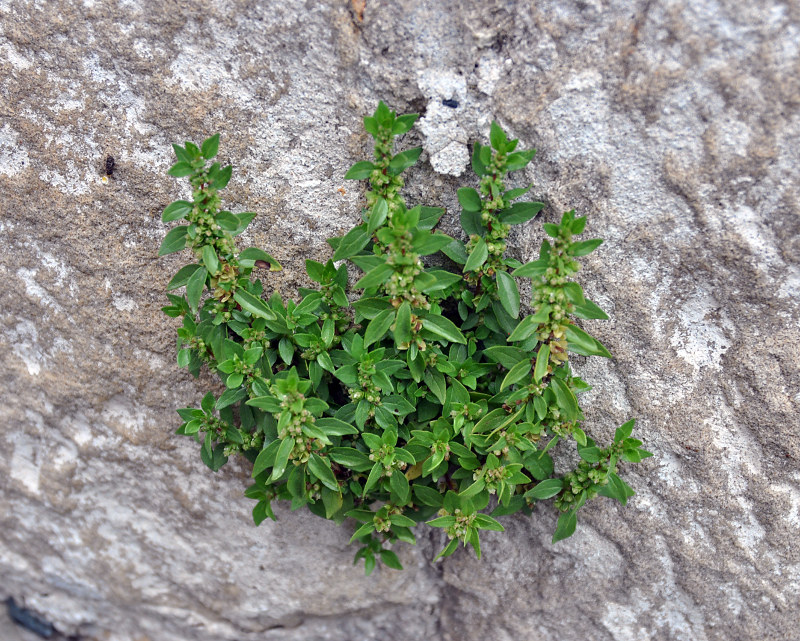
column 416, row 402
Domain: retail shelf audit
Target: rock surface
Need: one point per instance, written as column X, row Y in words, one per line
column 673, row 124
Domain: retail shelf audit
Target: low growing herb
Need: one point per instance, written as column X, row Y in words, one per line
column 429, row 398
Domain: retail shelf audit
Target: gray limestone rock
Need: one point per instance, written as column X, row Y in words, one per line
column 673, row 125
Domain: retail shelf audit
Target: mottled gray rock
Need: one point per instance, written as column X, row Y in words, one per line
column 673, row 124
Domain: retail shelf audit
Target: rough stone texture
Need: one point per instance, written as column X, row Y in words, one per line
column 673, row 124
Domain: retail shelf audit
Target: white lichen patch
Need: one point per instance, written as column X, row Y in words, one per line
column 24, row 466
column 445, row 139
column 489, row 72
column 72, row 182
column 13, row 158
column 23, row 339
column 123, row 417
column 699, row 340
column 11, row 54
column 124, row 303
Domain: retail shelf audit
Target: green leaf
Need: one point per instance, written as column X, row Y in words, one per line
column 508, row 292
column 545, row 490
column 404, row 123
column 332, row 501
column 551, row 229
column 195, row 286
column 436, row 384
column 265, row 458
column 174, row 241
column 565, row 398
column 184, row 356
column 448, row 550
column 617, row 489
column 253, row 304
column 580, row 342
column 375, row 277
column 532, row 270
column 180, row 169
column 520, row 213
column 234, row 380
column 511, row 194
column 497, row 136
column 477, row 164
column 478, row 256
column 378, row 327
column 231, row 396
column 428, row 496
column 519, row 160
column 282, row 457
column 578, row 225
column 426, row 243
column 177, row 210
column 516, row 374
column 222, row 178
column 321, row 468
column 374, row 476
column 469, row 198
column 210, row 147
column 249, row 256
column 429, row 216
column 192, row 150
column 365, row 529
column 539, row 464
column 353, row 242
column 210, row 259
column 378, row 215
column 360, row 171
column 624, row 431
column 443, row 327
column 311, row 301
column 507, row 356
column 486, row 522
column 245, row 218
column 456, row 252
column 261, row 511
column 589, row 310
column 324, row 360
column 542, row 362
column 334, row 426
column 227, row 221
column 442, row 521
column 566, row 525
column 286, row 350
column 390, row 560
column 402, row 326
column 474, row 489
column 182, row 277
column 471, row 223
column 350, row 458
column 590, row 454
column 584, row 247
column 528, row 325
column 267, row 403
column 404, row 160
column 399, row 485
column 181, row 153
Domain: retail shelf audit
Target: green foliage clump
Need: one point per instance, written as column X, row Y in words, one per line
column 428, row 398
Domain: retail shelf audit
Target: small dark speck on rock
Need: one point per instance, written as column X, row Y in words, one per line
column 453, row 104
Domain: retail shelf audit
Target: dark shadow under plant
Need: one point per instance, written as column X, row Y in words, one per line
column 422, row 398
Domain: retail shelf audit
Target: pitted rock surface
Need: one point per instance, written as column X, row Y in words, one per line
column 672, row 124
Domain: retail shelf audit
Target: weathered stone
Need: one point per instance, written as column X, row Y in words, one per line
column 674, row 125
